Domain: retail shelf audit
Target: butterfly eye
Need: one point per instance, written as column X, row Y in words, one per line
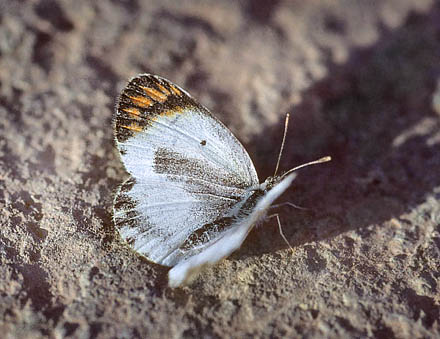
column 203, row 142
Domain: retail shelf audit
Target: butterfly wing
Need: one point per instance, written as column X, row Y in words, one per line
column 187, row 170
column 228, row 241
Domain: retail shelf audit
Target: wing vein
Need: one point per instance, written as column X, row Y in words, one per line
column 216, row 196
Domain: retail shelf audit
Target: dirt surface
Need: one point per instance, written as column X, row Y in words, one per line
column 362, row 81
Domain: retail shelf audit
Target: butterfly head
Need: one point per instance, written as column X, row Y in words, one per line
column 270, row 182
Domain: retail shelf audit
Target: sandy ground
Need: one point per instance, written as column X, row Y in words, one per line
column 361, row 79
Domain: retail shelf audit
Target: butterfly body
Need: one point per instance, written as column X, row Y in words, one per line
column 193, row 194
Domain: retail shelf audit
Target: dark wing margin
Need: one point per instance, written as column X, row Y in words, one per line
column 145, row 97
column 126, row 212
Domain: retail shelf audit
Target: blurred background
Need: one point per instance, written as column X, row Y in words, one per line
column 361, row 80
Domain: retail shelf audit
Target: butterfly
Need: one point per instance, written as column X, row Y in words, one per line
column 193, row 194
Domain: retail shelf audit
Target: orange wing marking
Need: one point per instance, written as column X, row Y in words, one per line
column 168, row 113
column 154, row 94
column 132, row 111
column 171, row 112
column 175, row 90
column 141, row 101
column 163, row 89
column 133, row 127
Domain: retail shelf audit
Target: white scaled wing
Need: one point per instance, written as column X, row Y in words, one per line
column 228, row 241
column 187, row 171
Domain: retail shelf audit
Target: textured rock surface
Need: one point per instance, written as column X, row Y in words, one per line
column 361, row 79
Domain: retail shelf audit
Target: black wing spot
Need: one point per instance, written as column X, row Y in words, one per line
column 203, row 142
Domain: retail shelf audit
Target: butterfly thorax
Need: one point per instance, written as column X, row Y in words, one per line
column 255, row 194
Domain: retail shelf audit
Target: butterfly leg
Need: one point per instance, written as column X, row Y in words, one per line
column 281, row 230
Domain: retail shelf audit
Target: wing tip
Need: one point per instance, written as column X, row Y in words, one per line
column 144, row 98
column 183, row 274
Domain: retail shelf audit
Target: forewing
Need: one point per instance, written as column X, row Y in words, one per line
column 187, row 169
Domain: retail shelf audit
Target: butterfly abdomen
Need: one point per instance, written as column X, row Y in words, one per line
column 249, row 205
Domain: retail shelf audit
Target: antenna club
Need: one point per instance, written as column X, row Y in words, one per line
column 324, row 159
column 319, row 161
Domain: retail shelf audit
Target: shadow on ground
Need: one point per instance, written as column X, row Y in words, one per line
column 374, row 116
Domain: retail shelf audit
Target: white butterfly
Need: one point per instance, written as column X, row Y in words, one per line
column 194, row 194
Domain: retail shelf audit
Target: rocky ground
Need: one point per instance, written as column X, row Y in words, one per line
column 362, row 81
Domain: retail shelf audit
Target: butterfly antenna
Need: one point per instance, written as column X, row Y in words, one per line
column 286, row 124
column 319, row 161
